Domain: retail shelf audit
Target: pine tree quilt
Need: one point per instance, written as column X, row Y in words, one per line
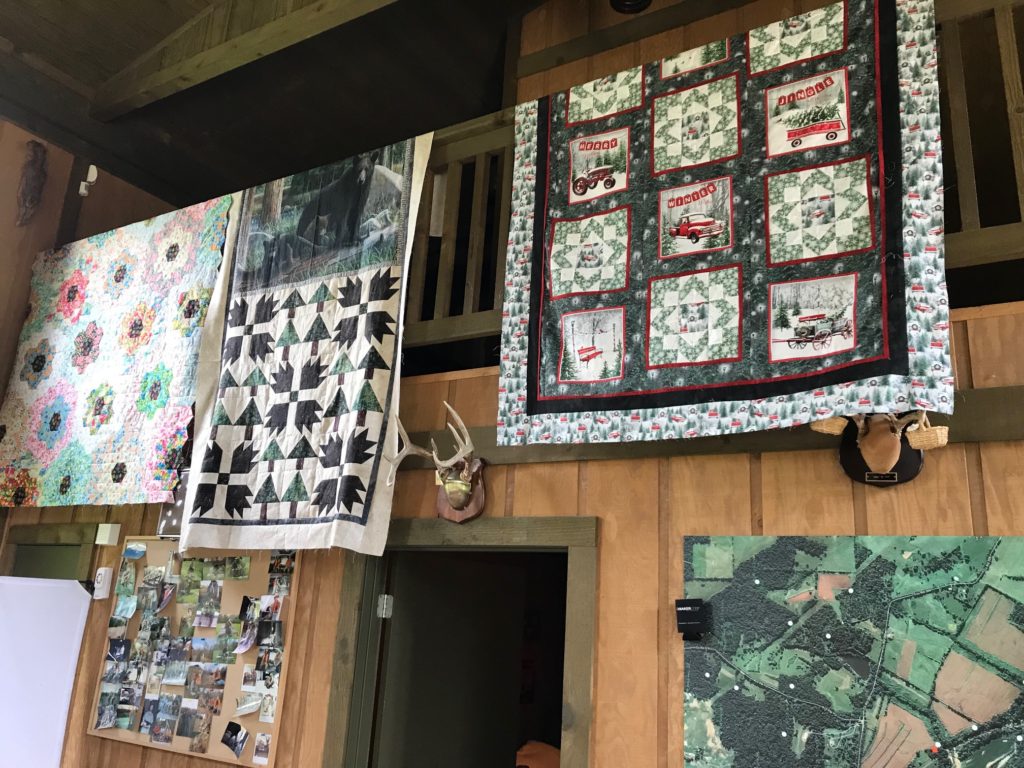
column 744, row 236
column 297, row 425
column 100, row 399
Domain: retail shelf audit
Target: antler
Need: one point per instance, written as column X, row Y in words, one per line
column 463, row 446
column 407, row 448
column 463, row 442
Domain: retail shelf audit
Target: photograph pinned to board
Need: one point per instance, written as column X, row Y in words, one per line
column 150, row 707
column 114, row 671
column 125, row 718
column 282, row 561
column 193, row 680
column 235, row 737
column 166, row 596
column 279, row 583
column 135, row 550
column 189, row 578
column 200, row 742
column 125, row 608
column 224, row 649
column 208, row 606
column 106, row 710
column 125, row 579
column 215, row 675
column 250, row 679
column 248, row 703
column 211, row 700
column 156, row 679
column 117, row 650
column 261, row 750
column 268, row 706
column 189, row 718
column 153, row 576
column 268, row 669
column 215, row 569
column 186, row 622
column 117, row 627
column 202, row 648
column 237, row 568
column 148, row 599
column 270, row 607
column 247, row 639
column 175, row 672
column 270, row 634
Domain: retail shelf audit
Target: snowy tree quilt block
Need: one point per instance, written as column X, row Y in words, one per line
column 745, row 236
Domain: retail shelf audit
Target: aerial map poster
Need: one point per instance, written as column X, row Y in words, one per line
column 856, row 652
column 744, row 236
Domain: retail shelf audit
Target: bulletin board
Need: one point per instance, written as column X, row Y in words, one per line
column 159, row 688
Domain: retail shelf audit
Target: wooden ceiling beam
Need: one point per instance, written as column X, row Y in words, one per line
column 225, row 36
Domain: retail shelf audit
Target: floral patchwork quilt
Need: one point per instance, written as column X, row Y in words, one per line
column 101, row 395
column 744, row 236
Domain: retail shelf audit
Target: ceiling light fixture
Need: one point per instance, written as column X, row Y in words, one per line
column 630, row 6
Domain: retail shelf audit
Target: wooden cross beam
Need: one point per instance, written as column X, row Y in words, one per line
column 226, row 35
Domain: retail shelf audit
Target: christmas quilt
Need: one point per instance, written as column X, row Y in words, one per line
column 101, row 394
column 297, row 424
column 744, row 236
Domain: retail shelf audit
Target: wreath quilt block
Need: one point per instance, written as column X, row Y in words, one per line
column 744, row 236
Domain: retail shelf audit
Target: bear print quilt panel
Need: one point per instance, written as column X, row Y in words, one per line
column 102, row 389
column 744, row 236
column 297, row 425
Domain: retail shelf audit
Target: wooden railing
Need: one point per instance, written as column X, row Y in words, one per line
column 458, row 262
column 457, row 275
column 982, row 128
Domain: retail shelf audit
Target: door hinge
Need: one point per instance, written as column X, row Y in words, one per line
column 385, row 606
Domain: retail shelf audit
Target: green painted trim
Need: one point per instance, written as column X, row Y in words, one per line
column 357, row 658
column 982, row 416
column 494, row 533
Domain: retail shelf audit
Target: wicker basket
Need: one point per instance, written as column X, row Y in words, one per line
column 924, row 436
column 831, row 426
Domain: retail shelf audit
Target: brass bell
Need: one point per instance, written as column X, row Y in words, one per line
column 458, row 491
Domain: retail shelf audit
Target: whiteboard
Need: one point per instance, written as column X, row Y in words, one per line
column 41, row 627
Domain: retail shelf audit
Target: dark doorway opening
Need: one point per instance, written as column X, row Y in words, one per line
column 471, row 660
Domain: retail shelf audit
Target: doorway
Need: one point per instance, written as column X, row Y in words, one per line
column 57, row 551
column 481, row 618
column 471, row 658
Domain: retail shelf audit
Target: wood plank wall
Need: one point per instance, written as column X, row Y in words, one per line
column 646, row 507
column 19, row 245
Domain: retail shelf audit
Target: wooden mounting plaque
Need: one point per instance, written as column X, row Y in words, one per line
column 158, row 551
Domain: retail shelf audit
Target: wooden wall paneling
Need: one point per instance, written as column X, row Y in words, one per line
column 21, row 244
column 626, row 679
column 711, row 494
column 937, row 502
column 113, row 203
column 495, row 488
column 316, row 693
column 805, row 493
column 476, row 400
column 421, row 407
column 542, row 490
column 415, row 494
column 996, row 350
column 1002, row 467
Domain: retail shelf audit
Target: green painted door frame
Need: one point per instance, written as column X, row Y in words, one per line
column 352, row 702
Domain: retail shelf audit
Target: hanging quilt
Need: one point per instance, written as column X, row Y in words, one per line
column 744, row 236
column 101, row 394
column 296, row 426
